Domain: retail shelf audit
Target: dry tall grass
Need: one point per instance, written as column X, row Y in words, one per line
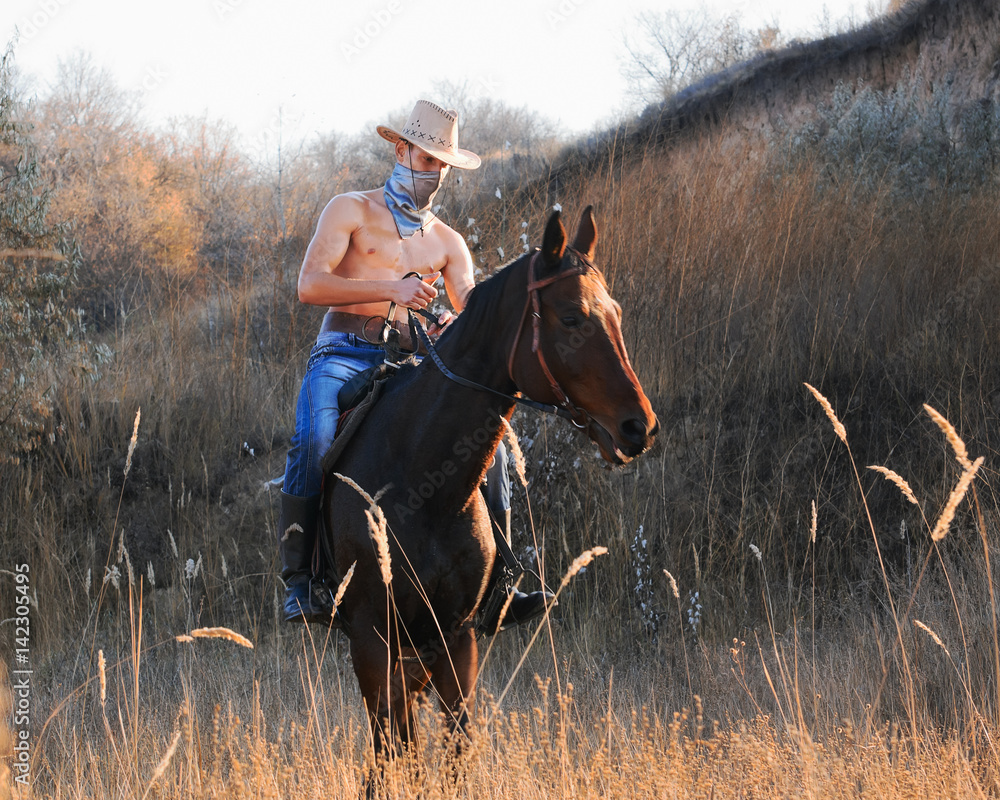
column 797, row 667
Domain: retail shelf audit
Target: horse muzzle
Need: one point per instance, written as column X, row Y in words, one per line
column 632, row 437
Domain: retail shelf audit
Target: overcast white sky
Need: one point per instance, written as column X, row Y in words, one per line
column 341, row 65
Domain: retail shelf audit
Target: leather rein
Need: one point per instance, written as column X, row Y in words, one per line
column 565, row 408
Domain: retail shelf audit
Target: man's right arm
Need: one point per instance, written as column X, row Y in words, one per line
column 318, row 282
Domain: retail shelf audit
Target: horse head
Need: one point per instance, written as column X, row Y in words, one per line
column 572, row 353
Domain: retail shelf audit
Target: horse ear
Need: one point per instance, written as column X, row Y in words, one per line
column 586, row 234
column 553, row 242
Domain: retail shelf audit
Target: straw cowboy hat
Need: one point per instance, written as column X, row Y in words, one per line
column 435, row 130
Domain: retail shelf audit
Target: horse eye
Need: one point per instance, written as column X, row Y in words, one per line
column 570, row 322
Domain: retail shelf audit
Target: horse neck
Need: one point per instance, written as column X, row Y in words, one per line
column 465, row 423
column 480, row 344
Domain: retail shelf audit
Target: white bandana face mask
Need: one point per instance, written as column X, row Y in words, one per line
column 409, row 195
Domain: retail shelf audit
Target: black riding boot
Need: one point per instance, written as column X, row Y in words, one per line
column 306, row 600
column 522, row 608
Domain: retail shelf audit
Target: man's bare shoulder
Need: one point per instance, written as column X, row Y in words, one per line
column 359, row 205
column 448, row 235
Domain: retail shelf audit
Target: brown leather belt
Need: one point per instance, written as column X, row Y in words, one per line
column 344, row 322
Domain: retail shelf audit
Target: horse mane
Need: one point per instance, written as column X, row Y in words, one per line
column 482, row 304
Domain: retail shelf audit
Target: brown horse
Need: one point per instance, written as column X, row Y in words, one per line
column 543, row 327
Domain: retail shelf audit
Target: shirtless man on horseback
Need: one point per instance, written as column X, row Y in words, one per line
column 364, row 245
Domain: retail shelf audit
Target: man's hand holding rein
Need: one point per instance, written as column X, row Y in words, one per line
column 416, row 292
column 444, row 320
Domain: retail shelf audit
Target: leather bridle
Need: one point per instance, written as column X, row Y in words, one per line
column 566, row 409
column 578, row 266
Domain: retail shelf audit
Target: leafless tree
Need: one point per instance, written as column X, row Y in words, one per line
column 673, row 49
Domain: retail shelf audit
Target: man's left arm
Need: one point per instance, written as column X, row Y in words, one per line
column 458, row 275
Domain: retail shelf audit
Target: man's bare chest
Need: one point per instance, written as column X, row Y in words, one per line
column 376, row 250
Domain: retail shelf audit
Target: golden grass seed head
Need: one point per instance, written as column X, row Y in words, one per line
column 222, row 633
column 102, row 676
column 132, row 441
column 937, row 639
column 948, row 514
column 293, row 528
column 580, row 562
column 165, row 761
column 673, row 585
column 838, row 426
column 339, row 596
column 961, row 454
column 515, row 449
column 898, row 480
column 353, row 484
column 377, row 527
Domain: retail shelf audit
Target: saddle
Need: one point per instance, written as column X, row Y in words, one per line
column 353, row 392
column 356, row 397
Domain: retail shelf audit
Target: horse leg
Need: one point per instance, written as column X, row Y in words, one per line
column 375, row 668
column 454, row 678
column 388, row 688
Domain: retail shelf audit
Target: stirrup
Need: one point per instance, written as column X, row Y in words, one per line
column 316, row 608
column 522, row 607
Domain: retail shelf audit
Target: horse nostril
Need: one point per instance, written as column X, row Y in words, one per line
column 633, row 430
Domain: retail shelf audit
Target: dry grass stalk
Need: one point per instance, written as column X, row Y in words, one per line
column 293, row 528
column 503, row 610
column 222, row 633
column 102, row 676
column 132, row 441
column 838, row 426
column 580, row 562
column 378, row 526
column 164, row 762
column 934, row 636
column 32, row 252
column 515, row 448
column 343, row 586
column 897, row 479
column 673, row 585
column 351, row 482
column 961, row 454
column 944, row 521
column 128, row 562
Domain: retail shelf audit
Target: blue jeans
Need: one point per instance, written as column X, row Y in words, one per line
column 334, row 359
